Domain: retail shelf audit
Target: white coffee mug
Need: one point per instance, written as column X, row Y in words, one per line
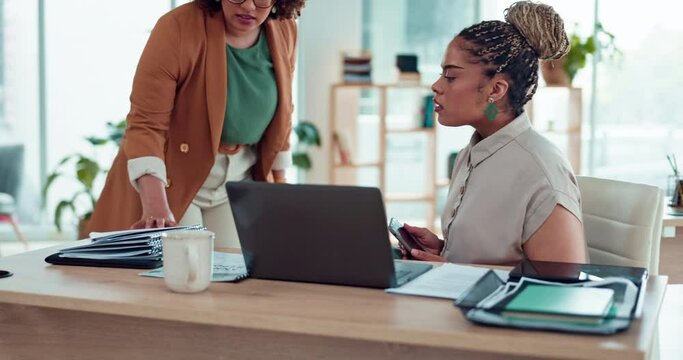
column 188, row 260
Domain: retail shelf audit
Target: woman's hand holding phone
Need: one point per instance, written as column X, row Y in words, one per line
column 430, row 243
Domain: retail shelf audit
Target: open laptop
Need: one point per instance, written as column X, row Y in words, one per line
column 317, row 233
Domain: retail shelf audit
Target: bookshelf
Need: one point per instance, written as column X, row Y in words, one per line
column 556, row 113
column 371, row 119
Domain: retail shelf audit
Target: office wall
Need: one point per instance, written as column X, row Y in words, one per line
column 326, row 28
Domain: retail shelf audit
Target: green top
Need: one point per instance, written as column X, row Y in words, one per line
column 252, row 93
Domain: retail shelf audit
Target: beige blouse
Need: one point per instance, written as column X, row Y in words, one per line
column 502, row 190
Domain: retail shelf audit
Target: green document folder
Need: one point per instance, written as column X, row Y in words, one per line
column 561, row 303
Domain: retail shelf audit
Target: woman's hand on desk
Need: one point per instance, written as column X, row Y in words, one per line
column 155, row 220
column 155, row 210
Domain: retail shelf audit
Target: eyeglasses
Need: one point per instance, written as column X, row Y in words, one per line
column 257, row 3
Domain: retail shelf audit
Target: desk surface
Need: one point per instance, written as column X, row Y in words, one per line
column 341, row 312
column 672, row 220
column 669, row 220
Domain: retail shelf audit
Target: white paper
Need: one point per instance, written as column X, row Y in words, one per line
column 132, row 254
column 226, row 267
column 447, row 281
column 123, row 234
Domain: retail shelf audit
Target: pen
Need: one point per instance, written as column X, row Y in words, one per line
column 673, row 155
column 672, row 162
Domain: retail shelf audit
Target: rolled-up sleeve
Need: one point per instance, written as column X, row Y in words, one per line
column 146, row 165
column 283, row 160
column 540, row 210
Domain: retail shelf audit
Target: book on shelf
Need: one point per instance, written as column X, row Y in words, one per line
column 357, row 78
column 351, row 68
column 406, row 65
column 357, row 56
column 409, row 77
column 428, row 111
column 341, row 144
column 140, row 248
column 357, row 67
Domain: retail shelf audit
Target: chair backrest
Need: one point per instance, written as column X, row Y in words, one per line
column 11, row 168
column 622, row 222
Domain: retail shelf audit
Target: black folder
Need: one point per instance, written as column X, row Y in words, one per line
column 137, row 249
column 470, row 300
column 570, row 272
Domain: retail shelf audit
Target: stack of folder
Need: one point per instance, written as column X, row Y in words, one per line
column 575, row 300
column 357, row 67
column 140, row 249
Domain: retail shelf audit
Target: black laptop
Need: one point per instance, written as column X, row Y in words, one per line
column 317, row 233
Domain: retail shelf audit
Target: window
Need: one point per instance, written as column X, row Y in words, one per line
column 20, row 96
column 637, row 113
column 91, row 51
column 3, row 125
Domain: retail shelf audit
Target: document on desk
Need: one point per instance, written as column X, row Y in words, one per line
column 226, row 268
column 447, row 281
column 121, row 235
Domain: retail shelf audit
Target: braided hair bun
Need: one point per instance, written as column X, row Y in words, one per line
column 542, row 28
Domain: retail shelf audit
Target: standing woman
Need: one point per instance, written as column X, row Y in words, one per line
column 211, row 102
column 513, row 194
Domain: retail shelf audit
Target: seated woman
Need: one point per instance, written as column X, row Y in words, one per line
column 513, row 194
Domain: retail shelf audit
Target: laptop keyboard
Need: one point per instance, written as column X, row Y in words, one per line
column 400, row 274
column 408, row 271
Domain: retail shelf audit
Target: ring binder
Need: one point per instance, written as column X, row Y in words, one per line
column 137, row 249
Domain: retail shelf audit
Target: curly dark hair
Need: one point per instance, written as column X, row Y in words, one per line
column 513, row 47
column 285, row 9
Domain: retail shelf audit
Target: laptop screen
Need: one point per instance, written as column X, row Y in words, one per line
column 313, row 233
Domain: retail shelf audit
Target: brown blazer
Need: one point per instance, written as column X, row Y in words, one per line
column 177, row 109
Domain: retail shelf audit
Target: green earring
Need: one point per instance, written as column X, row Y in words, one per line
column 491, row 110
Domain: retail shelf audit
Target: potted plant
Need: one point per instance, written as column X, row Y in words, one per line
column 84, row 170
column 308, row 135
column 562, row 72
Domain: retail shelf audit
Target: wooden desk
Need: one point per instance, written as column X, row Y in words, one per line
column 673, row 221
column 79, row 312
column 669, row 220
column 671, row 323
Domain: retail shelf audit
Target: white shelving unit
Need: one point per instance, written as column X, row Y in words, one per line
column 362, row 112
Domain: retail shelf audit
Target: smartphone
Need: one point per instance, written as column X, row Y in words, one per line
column 404, row 237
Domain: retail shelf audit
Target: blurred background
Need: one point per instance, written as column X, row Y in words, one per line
column 66, row 70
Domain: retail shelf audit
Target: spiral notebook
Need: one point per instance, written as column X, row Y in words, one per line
column 139, row 249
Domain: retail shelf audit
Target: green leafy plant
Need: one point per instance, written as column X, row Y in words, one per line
column 604, row 45
column 84, row 170
column 308, row 135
